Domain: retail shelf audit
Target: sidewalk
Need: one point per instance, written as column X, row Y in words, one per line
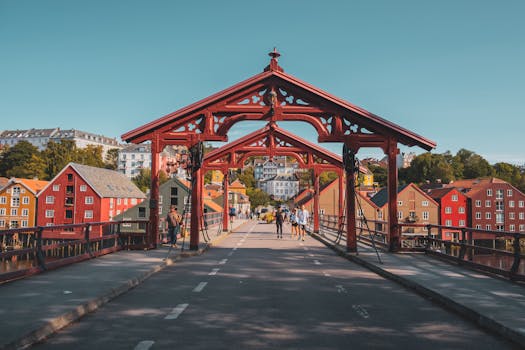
column 36, row 307
column 491, row 302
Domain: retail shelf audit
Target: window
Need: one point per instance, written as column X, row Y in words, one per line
column 2, row 211
column 16, row 191
column 424, row 203
column 400, row 203
column 509, row 193
column 499, row 194
column 500, row 227
column 512, row 216
column 512, row 228
column 88, row 214
column 522, row 216
column 83, row 188
column 88, row 200
column 69, row 189
column 2, row 223
column 448, row 222
column 70, row 201
column 521, row 204
column 380, row 215
column 478, row 215
column 69, row 214
column 478, row 227
column 448, row 210
column 15, row 201
column 125, row 201
column 462, row 223
column 454, row 198
column 487, row 227
column 24, row 223
column 522, row 228
column 25, row 200
column 461, row 210
column 69, row 177
column 500, row 218
column 142, row 212
column 511, row 204
column 14, row 212
column 50, row 213
column 487, row 204
column 399, row 214
column 425, row 215
column 489, row 192
column 134, row 200
column 119, row 201
column 13, row 224
column 488, row 215
column 3, row 200
column 56, row 188
column 111, row 203
column 50, row 199
column 478, row 203
column 25, row 212
column 499, row 205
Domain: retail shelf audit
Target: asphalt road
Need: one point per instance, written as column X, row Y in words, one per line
column 254, row 291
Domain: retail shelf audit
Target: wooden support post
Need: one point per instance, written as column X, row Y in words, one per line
column 196, row 208
column 341, row 200
column 351, row 232
column 316, row 202
column 225, row 201
column 395, row 241
column 153, row 237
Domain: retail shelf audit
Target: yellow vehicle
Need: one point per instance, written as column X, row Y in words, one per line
column 269, row 218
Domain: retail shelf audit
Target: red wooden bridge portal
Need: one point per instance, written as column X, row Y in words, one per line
column 272, row 96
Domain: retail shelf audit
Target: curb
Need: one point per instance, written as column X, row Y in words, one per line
column 61, row 321
column 472, row 315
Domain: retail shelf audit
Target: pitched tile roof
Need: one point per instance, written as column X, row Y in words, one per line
column 381, row 197
column 438, row 193
column 108, row 183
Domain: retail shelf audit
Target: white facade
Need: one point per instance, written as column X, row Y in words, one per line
column 133, row 158
column 282, row 186
column 40, row 138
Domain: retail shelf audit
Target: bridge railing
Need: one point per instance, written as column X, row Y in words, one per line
column 31, row 250
column 497, row 252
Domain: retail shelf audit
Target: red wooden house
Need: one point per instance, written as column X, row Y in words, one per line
column 81, row 193
column 452, row 212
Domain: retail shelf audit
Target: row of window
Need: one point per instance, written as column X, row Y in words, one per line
column 87, row 200
column 499, row 204
column 425, row 215
column 82, row 188
column 15, row 201
column 423, row 203
column 499, row 193
column 14, row 212
column 14, row 224
column 512, row 216
column 448, row 210
column 512, row 227
column 461, row 223
column 88, row 214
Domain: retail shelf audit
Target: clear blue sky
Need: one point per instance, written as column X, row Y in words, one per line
column 452, row 71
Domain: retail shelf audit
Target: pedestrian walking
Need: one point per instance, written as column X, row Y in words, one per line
column 293, row 221
column 279, row 219
column 174, row 221
column 303, row 216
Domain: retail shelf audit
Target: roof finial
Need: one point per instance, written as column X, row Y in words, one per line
column 274, row 66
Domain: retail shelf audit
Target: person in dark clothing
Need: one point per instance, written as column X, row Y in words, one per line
column 174, row 220
column 279, row 218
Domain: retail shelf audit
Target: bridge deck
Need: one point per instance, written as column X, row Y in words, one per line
column 33, row 308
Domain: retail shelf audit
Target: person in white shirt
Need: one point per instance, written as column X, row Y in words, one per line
column 302, row 219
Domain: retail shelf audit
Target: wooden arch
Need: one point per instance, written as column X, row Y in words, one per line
column 273, row 141
column 274, row 95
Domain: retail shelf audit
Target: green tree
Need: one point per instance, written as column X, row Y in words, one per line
column 326, row 177
column 508, row 172
column 247, row 177
column 15, row 159
column 257, row 197
column 473, row 165
column 57, row 155
column 143, row 179
column 380, row 174
column 427, row 167
column 90, row 155
column 111, row 159
column 29, row 170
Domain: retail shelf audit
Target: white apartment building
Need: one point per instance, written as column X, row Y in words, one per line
column 282, row 186
column 40, row 138
column 132, row 158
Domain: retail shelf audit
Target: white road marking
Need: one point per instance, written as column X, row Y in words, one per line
column 235, row 248
column 200, row 287
column 223, row 261
column 316, row 262
column 230, row 253
column 340, row 289
column 213, row 272
column 179, row 309
column 144, row 345
column 311, row 255
column 361, row 311
column 326, row 274
column 67, row 292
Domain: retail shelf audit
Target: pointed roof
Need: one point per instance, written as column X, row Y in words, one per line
column 237, row 184
column 106, row 183
column 35, row 186
column 275, row 74
column 381, row 197
column 438, row 193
